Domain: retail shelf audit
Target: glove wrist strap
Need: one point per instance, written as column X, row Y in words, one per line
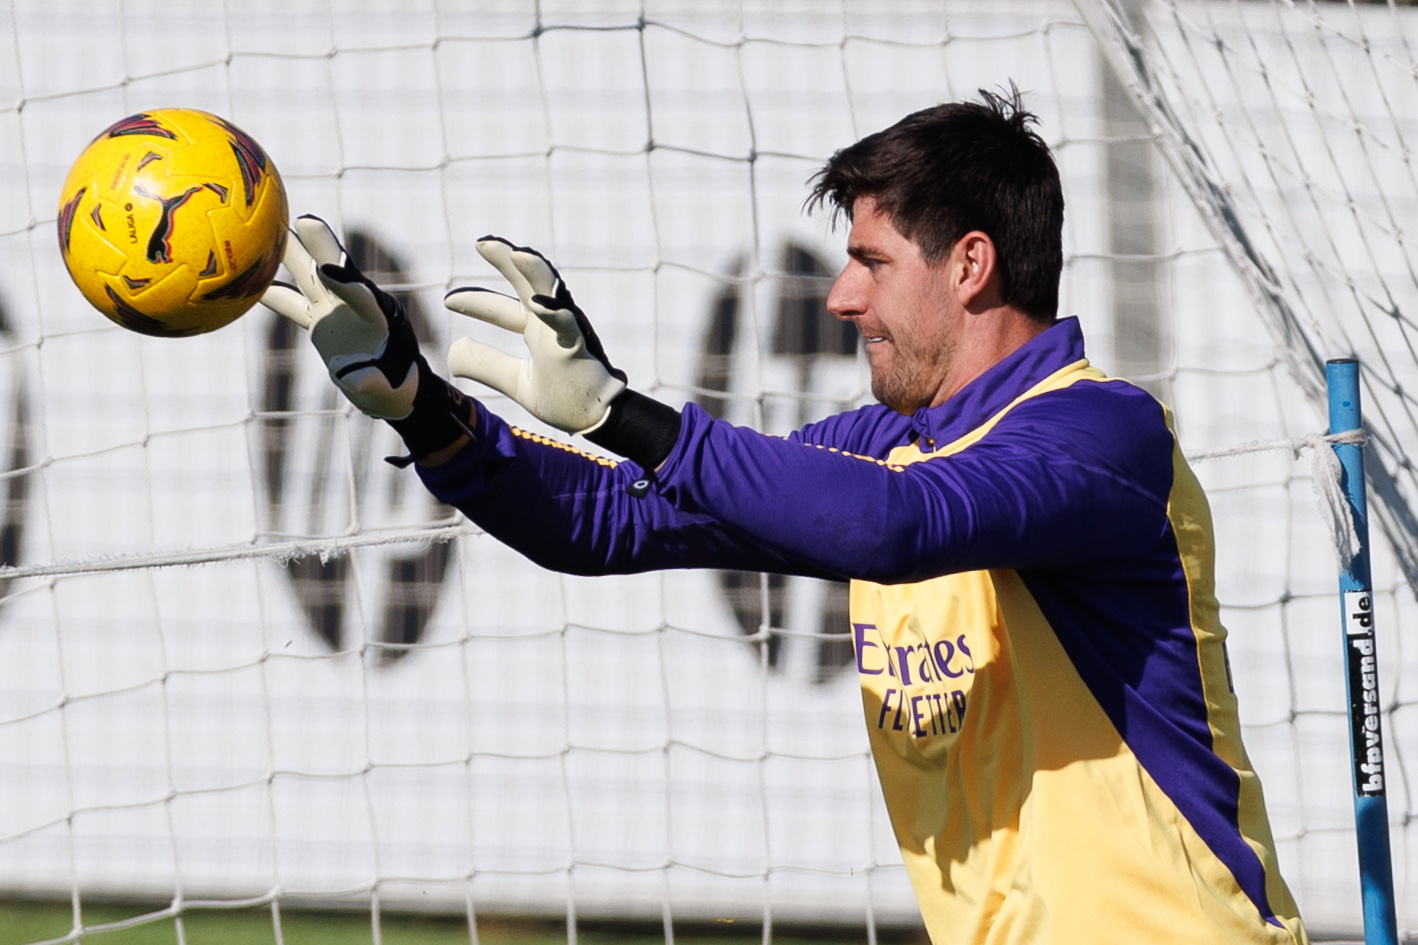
column 441, row 414
column 638, row 428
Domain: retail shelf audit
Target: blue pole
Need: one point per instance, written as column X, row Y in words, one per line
column 1365, row 710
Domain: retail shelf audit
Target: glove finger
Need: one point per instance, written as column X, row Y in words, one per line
column 492, row 307
column 288, row 301
column 548, row 299
column 321, row 242
column 563, row 322
column 301, row 267
column 356, row 326
column 487, row 365
column 315, row 245
column 356, row 293
column 540, row 274
column 500, row 253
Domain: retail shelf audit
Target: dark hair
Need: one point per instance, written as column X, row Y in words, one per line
column 942, row 172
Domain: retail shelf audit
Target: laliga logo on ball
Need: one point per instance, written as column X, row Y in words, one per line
column 172, row 222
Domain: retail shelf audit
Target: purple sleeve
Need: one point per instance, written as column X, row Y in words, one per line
column 574, row 512
column 1072, row 476
column 866, row 431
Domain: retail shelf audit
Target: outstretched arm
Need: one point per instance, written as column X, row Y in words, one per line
column 579, row 513
column 566, row 509
column 1080, row 474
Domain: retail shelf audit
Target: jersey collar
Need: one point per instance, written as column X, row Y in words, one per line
column 1058, row 346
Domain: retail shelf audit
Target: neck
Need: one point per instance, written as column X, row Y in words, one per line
column 995, row 335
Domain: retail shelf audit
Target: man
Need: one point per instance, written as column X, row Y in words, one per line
column 1042, row 664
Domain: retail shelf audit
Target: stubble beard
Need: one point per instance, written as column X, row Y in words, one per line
column 910, row 382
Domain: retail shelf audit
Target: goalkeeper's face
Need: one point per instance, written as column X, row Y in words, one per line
column 909, row 320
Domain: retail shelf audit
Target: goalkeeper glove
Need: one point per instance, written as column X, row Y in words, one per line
column 567, row 381
column 367, row 342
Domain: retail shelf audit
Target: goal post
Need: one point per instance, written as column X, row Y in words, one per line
column 249, row 664
column 1287, row 129
column 1366, row 743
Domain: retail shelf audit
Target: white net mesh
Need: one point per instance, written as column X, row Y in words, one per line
column 246, row 662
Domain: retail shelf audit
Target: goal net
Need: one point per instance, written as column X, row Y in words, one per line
column 249, row 665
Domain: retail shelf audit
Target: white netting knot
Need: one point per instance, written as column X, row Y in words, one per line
column 1327, row 480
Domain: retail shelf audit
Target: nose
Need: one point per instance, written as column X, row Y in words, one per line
column 845, row 301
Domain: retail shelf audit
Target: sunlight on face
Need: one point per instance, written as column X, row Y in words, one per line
column 900, row 304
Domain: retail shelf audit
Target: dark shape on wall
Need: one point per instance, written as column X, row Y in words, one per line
column 410, row 582
column 803, row 334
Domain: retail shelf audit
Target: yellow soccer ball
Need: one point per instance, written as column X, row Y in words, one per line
column 172, row 222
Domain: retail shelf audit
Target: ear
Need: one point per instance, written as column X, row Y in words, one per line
column 975, row 259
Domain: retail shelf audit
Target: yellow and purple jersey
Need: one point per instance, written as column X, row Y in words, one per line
column 1041, row 658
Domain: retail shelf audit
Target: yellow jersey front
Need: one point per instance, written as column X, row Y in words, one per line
column 1024, row 813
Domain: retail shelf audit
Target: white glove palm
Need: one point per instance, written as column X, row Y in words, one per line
column 567, row 381
column 349, row 320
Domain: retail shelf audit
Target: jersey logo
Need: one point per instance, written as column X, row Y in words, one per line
column 924, row 686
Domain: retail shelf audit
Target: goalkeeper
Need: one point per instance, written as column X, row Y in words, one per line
column 1042, row 665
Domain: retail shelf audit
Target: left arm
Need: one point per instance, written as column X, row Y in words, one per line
column 1076, row 475
column 1073, row 475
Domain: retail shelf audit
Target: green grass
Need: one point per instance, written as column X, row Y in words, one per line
column 22, row 923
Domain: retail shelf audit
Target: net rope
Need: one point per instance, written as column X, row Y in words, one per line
column 1327, row 477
